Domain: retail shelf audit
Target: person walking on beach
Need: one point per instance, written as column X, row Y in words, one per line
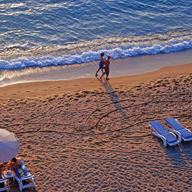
column 101, row 64
column 107, row 63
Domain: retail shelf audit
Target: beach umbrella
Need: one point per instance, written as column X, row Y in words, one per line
column 9, row 145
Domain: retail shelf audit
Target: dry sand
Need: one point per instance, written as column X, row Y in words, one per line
column 92, row 135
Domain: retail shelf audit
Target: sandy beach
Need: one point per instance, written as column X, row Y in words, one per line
column 89, row 134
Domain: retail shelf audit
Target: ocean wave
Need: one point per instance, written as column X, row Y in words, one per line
column 21, row 56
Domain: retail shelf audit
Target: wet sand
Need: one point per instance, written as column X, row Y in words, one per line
column 119, row 67
column 89, row 134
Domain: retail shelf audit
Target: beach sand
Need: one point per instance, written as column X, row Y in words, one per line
column 92, row 135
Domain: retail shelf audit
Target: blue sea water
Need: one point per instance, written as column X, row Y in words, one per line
column 43, row 33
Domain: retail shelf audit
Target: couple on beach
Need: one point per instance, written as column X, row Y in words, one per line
column 103, row 65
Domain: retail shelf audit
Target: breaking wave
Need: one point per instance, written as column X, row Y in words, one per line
column 25, row 56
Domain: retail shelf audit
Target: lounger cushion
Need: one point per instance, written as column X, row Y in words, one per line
column 185, row 133
column 171, row 121
column 170, row 138
column 22, row 171
column 159, row 127
column 178, row 127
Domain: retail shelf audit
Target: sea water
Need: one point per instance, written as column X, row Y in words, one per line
column 45, row 33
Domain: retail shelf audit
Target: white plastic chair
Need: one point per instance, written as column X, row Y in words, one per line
column 24, row 178
column 20, row 178
column 4, row 182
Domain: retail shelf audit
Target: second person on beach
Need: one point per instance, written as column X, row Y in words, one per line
column 101, row 65
column 106, row 67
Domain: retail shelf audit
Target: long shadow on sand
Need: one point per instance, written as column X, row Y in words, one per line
column 186, row 150
column 180, row 155
column 175, row 156
column 113, row 96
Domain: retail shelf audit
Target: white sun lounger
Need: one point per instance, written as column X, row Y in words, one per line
column 27, row 176
column 3, row 181
column 182, row 133
column 160, row 131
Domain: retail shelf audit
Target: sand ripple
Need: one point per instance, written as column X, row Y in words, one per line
column 100, row 140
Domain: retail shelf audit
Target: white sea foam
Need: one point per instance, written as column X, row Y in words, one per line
column 118, row 47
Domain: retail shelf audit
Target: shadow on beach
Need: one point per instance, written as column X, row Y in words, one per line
column 175, row 156
column 186, row 150
column 113, row 96
column 180, row 155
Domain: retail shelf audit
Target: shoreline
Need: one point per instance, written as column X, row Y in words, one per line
column 43, row 88
column 120, row 67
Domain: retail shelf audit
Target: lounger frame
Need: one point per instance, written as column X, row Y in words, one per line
column 165, row 142
column 4, row 181
column 180, row 138
column 23, row 186
column 28, row 177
